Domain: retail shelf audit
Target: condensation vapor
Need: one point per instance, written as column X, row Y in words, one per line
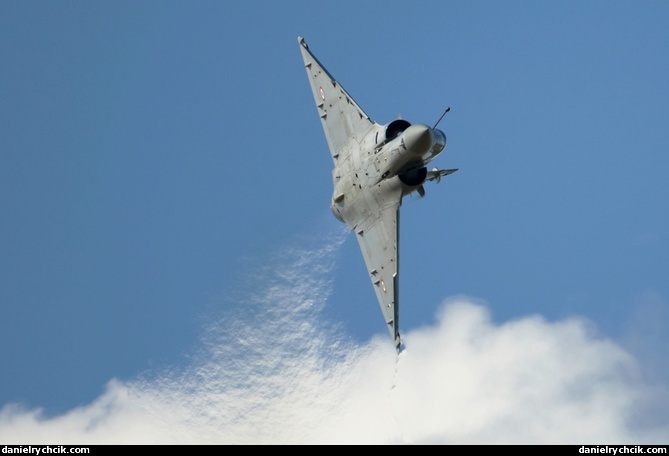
column 260, row 369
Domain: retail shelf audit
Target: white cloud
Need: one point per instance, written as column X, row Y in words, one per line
column 278, row 375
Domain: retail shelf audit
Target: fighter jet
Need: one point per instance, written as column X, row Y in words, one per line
column 375, row 166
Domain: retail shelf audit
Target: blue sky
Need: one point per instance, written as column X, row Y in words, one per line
column 163, row 168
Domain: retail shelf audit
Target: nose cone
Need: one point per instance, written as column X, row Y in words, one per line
column 418, row 138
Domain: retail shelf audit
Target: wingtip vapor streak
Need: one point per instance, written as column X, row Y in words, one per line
column 375, row 166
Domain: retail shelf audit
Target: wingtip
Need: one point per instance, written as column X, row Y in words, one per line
column 399, row 344
column 302, row 42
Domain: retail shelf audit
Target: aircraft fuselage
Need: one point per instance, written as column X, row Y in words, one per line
column 389, row 163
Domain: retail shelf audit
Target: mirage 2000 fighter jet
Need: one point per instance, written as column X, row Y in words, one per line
column 375, row 166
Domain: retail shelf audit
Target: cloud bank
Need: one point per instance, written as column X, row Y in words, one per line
column 276, row 373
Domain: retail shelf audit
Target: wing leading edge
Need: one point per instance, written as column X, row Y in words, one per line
column 342, row 119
